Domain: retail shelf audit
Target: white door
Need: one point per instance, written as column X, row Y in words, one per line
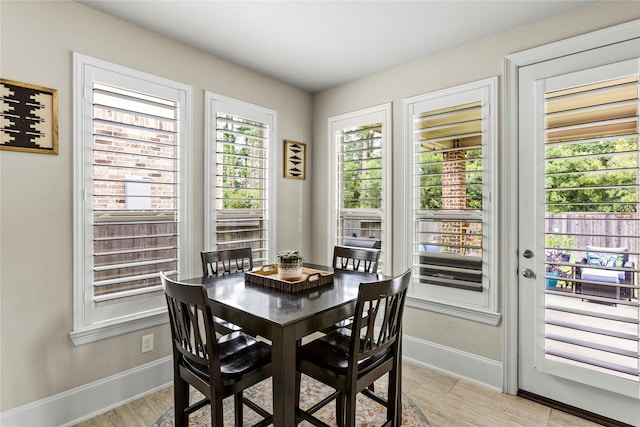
column 578, row 231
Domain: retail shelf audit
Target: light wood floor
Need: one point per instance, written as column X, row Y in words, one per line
column 446, row 400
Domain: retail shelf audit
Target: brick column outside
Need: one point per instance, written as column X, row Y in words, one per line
column 454, row 188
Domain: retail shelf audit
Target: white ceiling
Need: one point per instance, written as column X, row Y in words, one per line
column 315, row 45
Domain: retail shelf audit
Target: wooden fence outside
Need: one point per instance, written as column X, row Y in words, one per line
column 597, row 229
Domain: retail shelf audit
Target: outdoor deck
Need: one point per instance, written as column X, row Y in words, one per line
column 598, row 335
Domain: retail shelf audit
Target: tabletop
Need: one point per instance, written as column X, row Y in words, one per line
column 232, row 296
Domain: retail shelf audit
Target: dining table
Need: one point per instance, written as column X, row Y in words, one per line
column 284, row 318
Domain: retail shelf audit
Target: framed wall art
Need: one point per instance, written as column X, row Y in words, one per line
column 295, row 159
column 28, row 118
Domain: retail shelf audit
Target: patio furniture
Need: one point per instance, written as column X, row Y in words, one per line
column 604, row 269
column 363, row 242
column 450, row 269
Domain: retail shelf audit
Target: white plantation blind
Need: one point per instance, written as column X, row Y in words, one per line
column 360, row 164
column 134, row 193
column 592, row 226
column 242, row 184
column 448, row 194
column 361, row 178
column 359, row 185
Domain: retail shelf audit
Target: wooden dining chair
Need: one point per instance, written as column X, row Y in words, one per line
column 350, row 360
column 228, row 261
column 358, row 259
column 217, row 367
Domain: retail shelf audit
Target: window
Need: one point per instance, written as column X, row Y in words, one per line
column 361, row 205
column 451, row 136
column 131, row 214
column 240, row 176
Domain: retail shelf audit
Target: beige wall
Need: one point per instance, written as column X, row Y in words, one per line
column 472, row 62
column 37, row 358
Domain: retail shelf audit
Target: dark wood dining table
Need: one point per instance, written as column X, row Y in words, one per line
column 284, row 318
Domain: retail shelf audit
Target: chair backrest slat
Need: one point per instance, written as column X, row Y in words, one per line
column 226, row 261
column 359, row 259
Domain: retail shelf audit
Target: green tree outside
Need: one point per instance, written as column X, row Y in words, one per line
column 241, row 170
column 596, row 176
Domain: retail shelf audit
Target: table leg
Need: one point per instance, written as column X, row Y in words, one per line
column 283, row 360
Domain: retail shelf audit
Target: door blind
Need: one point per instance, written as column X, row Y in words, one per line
column 134, row 193
column 592, row 226
column 242, row 190
column 448, row 195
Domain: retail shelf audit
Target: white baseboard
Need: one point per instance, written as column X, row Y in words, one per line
column 89, row 400
column 460, row 363
column 84, row 402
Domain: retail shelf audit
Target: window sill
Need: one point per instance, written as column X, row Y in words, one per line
column 473, row 314
column 100, row 332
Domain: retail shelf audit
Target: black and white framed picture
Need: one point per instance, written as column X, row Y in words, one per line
column 28, row 118
column 295, row 159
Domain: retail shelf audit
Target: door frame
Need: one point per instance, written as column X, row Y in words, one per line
column 509, row 173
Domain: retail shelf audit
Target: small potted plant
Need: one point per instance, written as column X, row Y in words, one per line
column 553, row 256
column 289, row 264
column 556, row 254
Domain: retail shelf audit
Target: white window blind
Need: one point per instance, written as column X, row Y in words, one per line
column 134, row 193
column 592, row 226
column 361, row 179
column 448, row 195
column 359, row 159
column 240, row 205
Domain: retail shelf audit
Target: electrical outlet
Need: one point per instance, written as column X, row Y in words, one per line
column 147, row 343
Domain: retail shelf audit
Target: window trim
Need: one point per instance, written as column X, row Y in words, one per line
column 483, row 306
column 380, row 113
column 85, row 329
column 250, row 111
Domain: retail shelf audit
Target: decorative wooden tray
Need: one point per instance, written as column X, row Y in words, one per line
column 268, row 276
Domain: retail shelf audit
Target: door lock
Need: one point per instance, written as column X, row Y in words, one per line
column 528, row 253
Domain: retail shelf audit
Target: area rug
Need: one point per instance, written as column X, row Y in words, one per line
column 369, row 413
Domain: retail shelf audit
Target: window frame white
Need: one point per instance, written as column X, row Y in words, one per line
column 380, row 113
column 88, row 326
column 215, row 102
column 476, row 306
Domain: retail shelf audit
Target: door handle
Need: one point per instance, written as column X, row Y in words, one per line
column 528, row 273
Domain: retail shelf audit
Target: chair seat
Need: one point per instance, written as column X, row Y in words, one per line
column 239, row 354
column 332, row 352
